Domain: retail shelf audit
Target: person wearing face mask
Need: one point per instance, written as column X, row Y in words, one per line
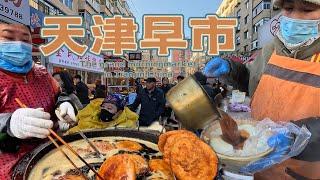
column 105, row 113
column 284, row 82
column 21, row 128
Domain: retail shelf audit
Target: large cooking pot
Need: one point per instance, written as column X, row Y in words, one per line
column 25, row 165
column 191, row 104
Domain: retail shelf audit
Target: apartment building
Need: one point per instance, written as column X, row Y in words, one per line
column 251, row 15
column 56, row 7
column 227, row 8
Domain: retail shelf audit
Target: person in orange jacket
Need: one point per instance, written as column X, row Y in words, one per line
column 284, row 82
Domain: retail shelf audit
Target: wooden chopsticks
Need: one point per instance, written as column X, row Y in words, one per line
column 67, row 145
column 66, row 156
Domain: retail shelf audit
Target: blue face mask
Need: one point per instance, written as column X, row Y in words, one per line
column 16, row 56
column 296, row 31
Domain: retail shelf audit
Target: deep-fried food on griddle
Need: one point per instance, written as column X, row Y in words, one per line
column 118, row 167
column 163, row 137
column 102, row 146
column 160, row 166
column 129, row 145
column 140, row 164
column 115, row 164
column 171, row 140
column 192, row 159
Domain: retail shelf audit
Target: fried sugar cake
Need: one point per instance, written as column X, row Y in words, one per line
column 192, row 159
column 118, row 167
column 171, row 141
column 163, row 137
column 129, row 145
column 160, row 167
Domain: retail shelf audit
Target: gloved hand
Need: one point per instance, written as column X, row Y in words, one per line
column 216, row 67
column 27, row 122
column 281, row 143
column 312, row 151
column 66, row 115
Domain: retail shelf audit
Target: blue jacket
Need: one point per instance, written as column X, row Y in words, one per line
column 152, row 106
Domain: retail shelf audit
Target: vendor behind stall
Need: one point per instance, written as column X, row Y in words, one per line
column 21, row 78
column 284, row 82
column 105, row 113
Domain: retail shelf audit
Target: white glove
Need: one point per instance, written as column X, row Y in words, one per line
column 63, row 126
column 27, row 122
column 66, row 109
column 66, row 116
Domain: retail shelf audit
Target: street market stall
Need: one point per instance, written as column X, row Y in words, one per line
column 116, row 153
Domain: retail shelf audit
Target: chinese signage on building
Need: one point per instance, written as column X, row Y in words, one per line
column 36, row 18
column 89, row 62
column 16, row 10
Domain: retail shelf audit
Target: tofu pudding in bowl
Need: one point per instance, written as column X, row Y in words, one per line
column 254, row 147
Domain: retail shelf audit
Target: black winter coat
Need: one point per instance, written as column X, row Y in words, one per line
column 152, row 106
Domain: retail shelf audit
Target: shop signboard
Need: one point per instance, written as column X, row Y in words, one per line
column 88, row 62
column 16, row 10
column 135, row 56
column 36, row 18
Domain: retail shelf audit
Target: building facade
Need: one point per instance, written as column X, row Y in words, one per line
column 227, row 8
column 251, row 14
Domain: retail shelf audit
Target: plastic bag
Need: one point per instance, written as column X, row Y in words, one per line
column 288, row 140
column 236, row 107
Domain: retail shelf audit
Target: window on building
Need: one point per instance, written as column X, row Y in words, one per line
column 246, row 35
column 246, row 48
column 259, row 23
column 43, row 8
column 238, row 13
column 255, row 45
column 238, row 40
column 246, row 19
column 247, row 4
column 68, row 3
column 238, row 27
column 221, row 39
column 265, row 4
column 34, row 3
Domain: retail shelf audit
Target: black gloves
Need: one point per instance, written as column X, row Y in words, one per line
column 312, row 152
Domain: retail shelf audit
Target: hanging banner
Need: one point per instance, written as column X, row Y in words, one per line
column 89, row 62
column 36, row 18
column 16, row 10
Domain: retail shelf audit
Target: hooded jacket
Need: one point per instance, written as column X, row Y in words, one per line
column 88, row 118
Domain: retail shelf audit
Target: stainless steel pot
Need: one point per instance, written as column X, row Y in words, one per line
column 191, row 104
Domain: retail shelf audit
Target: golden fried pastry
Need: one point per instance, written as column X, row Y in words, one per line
column 161, row 167
column 163, row 137
column 103, row 146
column 129, row 145
column 118, row 167
column 192, row 159
column 171, row 140
column 140, row 164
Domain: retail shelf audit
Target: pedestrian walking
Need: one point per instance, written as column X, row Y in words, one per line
column 82, row 90
column 152, row 103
